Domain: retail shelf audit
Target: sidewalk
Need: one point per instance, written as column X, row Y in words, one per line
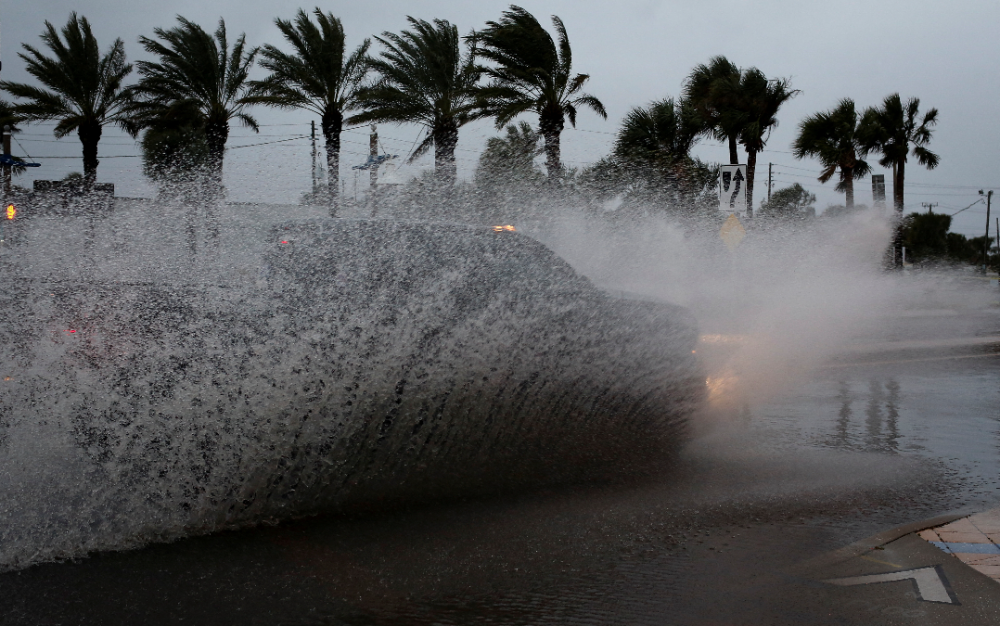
column 942, row 571
column 973, row 540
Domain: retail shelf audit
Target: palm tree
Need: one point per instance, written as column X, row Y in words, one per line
column 708, row 91
column 532, row 73
column 890, row 130
column 511, row 159
column 84, row 88
column 316, row 77
column 665, row 132
column 197, row 76
column 756, row 101
column 832, row 137
column 424, row 79
column 659, row 138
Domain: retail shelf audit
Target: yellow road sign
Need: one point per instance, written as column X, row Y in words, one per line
column 732, row 232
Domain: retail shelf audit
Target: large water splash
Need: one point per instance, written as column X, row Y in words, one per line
column 324, row 364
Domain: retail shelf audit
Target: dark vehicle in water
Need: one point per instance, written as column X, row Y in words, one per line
column 360, row 364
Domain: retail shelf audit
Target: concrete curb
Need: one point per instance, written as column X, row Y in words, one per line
column 870, row 543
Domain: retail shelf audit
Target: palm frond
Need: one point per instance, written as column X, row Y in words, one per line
column 424, row 77
column 925, row 157
column 197, row 72
column 592, row 103
column 82, row 89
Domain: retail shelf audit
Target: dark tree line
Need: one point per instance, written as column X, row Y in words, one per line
column 184, row 101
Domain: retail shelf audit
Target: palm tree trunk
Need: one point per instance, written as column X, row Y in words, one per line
column 897, row 187
column 734, row 157
column 847, row 175
column 751, row 165
column 550, row 124
column 90, row 135
column 216, row 134
column 333, row 123
column 897, row 203
column 445, row 139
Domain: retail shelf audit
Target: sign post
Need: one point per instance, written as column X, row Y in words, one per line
column 733, row 189
column 732, row 232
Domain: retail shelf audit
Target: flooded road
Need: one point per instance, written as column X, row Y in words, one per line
column 874, row 439
column 902, row 423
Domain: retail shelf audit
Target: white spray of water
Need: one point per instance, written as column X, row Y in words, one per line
column 784, row 301
column 789, row 297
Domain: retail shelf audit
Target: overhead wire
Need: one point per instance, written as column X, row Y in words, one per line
column 930, row 187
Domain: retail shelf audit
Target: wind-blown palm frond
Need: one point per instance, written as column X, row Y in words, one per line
column 741, row 107
column 832, row 138
column 709, row 92
column 890, row 130
column 654, row 145
column 531, row 71
column 196, row 73
column 317, row 77
column 424, row 78
column 663, row 131
column 82, row 89
column 759, row 100
column 510, row 159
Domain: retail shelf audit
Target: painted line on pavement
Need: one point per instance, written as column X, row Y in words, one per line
column 931, row 583
column 952, row 547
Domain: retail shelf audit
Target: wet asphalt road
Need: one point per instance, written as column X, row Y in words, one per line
column 886, row 434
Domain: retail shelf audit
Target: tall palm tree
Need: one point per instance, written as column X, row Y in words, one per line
column 659, row 138
column 756, row 101
column 318, row 77
column 511, row 158
column 197, row 75
column 832, row 137
column 890, row 130
column 424, row 78
column 83, row 88
column 709, row 91
column 664, row 131
column 532, row 72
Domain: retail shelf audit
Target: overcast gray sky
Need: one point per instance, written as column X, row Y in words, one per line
column 635, row 51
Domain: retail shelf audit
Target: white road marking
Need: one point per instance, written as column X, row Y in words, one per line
column 930, row 585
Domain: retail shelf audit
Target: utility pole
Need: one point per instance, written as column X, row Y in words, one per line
column 769, row 166
column 930, row 206
column 986, row 242
column 313, row 125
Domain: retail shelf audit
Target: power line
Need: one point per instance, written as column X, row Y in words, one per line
column 266, row 143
